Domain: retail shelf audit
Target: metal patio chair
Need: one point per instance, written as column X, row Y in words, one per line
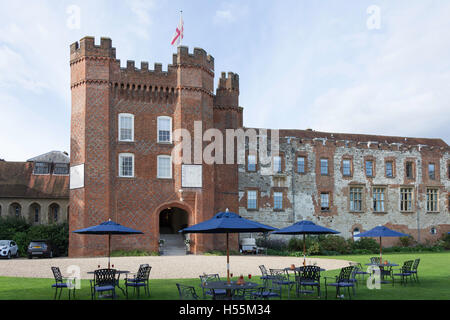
column 404, row 272
column 272, row 289
column 414, row 268
column 61, row 283
column 359, row 270
column 264, row 274
column 186, row 292
column 104, row 281
column 139, row 280
column 341, row 281
column 216, row 294
column 308, row 276
column 281, row 276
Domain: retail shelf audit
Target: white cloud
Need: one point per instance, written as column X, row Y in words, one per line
column 400, row 88
column 230, row 12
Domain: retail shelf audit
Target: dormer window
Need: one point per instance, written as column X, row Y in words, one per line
column 41, row 168
column 61, row 168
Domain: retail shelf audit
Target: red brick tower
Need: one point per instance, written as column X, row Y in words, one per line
column 101, row 92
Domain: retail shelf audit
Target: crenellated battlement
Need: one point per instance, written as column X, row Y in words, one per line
column 87, row 47
column 198, row 58
column 131, row 68
column 369, row 145
column 230, row 82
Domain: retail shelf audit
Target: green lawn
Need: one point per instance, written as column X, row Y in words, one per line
column 434, row 276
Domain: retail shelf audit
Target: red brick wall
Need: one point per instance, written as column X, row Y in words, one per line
column 100, row 91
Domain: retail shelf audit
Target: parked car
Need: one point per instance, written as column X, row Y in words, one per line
column 8, row 248
column 41, row 248
column 248, row 245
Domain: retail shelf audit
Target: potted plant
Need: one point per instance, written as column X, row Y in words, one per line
column 187, row 242
column 161, row 245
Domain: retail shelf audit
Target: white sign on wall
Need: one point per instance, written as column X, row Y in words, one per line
column 77, row 176
column 191, row 176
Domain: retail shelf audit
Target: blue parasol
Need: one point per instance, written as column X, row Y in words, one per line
column 380, row 232
column 108, row 228
column 227, row 222
column 305, row 227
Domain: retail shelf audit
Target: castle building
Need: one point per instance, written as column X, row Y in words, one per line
column 36, row 190
column 124, row 128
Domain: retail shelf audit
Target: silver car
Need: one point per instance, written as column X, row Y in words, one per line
column 8, row 248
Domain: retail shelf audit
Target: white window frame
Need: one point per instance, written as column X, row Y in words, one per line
column 251, row 161
column 158, row 129
column 121, row 156
column 158, row 175
column 275, row 195
column 302, row 160
column 324, row 167
column 379, row 199
column 250, row 200
column 356, row 201
column 325, row 201
column 349, row 167
column 42, row 174
column 406, row 199
column 126, row 115
column 432, row 199
column 277, row 166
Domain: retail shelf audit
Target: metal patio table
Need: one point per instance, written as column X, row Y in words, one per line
column 381, row 266
column 229, row 287
column 118, row 272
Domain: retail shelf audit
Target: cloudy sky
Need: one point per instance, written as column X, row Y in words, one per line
column 375, row 67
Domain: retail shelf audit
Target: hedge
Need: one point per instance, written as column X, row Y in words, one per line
column 20, row 231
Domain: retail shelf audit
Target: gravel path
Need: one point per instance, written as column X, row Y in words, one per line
column 163, row 267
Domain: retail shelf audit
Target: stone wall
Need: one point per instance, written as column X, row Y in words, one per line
column 302, row 190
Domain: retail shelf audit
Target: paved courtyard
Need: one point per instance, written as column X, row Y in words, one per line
column 163, row 267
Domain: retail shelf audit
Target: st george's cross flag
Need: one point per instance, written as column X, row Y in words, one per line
column 178, row 33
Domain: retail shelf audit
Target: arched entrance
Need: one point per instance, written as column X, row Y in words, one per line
column 171, row 220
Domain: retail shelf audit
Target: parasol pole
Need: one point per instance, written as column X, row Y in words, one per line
column 228, row 262
column 381, row 256
column 304, row 250
column 109, row 250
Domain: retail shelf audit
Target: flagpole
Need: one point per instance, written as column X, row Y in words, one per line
column 181, row 36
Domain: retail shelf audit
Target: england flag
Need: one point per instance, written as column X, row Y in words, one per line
column 178, row 33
